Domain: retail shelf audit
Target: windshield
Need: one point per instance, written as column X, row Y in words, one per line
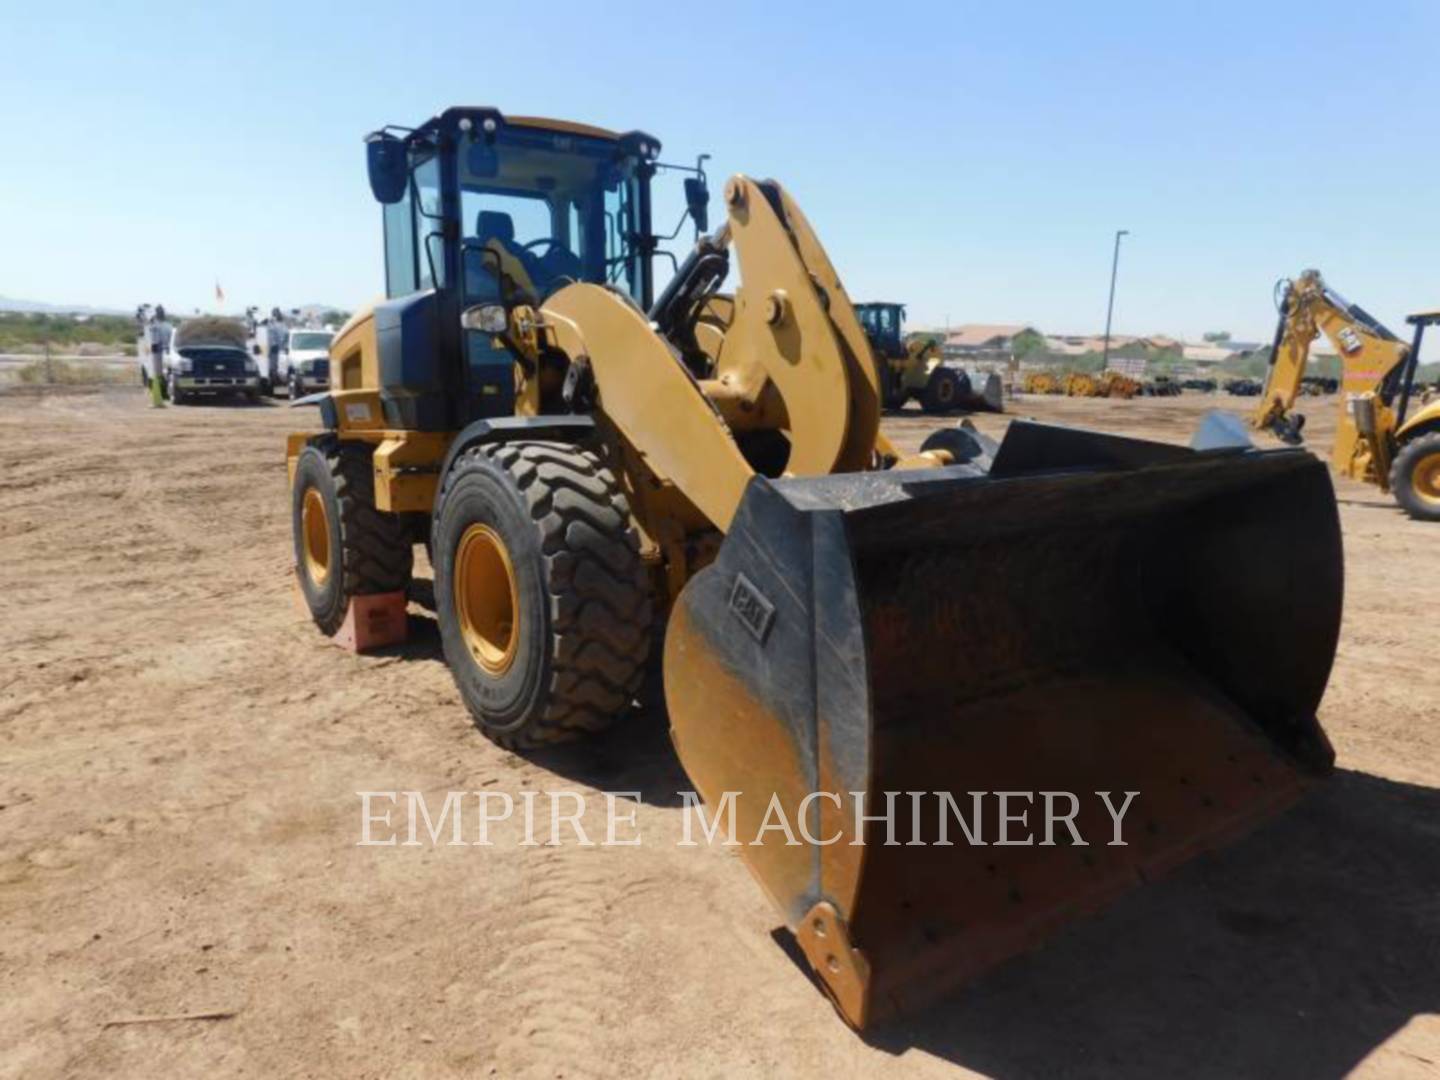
column 540, row 209
column 880, row 320
column 310, row 340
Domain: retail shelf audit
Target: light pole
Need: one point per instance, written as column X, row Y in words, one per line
column 1110, row 307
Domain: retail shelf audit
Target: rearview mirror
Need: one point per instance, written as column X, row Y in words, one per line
column 697, row 201
column 385, row 160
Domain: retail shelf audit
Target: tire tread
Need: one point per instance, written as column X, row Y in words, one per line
column 596, row 587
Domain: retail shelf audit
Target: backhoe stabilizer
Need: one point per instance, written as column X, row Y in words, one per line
column 1134, row 617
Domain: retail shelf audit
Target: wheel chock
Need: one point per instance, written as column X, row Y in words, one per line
column 373, row 622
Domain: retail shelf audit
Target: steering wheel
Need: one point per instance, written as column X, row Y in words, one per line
column 548, row 241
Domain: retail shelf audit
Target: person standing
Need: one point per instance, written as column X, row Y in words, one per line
column 159, row 334
column 277, row 337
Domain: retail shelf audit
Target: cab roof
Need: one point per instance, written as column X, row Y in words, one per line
column 629, row 140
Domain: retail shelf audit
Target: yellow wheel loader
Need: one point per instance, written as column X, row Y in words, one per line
column 917, row 368
column 1376, row 440
column 596, row 470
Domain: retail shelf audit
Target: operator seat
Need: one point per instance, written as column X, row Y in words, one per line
column 492, row 228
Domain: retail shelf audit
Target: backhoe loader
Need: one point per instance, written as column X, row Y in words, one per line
column 1375, row 440
column 917, row 368
column 594, row 468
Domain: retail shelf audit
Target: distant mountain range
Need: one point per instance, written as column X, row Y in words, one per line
column 9, row 303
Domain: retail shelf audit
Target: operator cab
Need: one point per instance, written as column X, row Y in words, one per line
column 480, row 208
column 883, row 322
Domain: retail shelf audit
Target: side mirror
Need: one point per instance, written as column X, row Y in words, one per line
column 389, row 174
column 697, row 201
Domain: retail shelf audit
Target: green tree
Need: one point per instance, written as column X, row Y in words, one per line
column 1028, row 344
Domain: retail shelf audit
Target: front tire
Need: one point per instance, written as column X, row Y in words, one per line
column 942, row 391
column 1415, row 477
column 543, row 601
column 344, row 546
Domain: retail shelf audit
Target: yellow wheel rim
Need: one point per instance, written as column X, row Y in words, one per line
column 1426, row 478
column 487, row 602
column 315, row 532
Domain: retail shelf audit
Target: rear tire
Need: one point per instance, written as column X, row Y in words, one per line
column 344, row 546
column 942, row 391
column 543, row 601
column 1415, row 477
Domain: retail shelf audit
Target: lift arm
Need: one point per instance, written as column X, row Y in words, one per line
column 791, row 360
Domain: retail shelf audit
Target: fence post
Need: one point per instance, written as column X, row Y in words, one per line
column 49, row 370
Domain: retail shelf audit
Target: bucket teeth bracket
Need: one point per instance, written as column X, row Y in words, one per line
column 843, row 970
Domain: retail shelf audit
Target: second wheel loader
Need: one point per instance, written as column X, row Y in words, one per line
column 596, row 469
column 917, row 369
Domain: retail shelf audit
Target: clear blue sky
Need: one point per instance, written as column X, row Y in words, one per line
column 972, row 160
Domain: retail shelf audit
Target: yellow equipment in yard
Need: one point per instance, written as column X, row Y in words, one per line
column 1040, row 382
column 1375, row 440
column 917, row 369
column 1082, row 384
column 590, row 465
column 1115, row 385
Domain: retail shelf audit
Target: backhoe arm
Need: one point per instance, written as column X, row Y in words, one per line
column 1369, row 352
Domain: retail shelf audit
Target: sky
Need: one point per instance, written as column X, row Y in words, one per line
column 972, row 160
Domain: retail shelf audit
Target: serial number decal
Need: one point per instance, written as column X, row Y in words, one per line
column 357, row 411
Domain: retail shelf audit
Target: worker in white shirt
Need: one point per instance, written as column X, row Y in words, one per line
column 277, row 336
column 159, row 333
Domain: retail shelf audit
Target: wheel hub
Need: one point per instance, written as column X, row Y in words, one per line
column 487, row 601
column 315, row 533
column 1427, row 478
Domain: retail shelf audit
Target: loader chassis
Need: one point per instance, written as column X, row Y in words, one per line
column 598, row 473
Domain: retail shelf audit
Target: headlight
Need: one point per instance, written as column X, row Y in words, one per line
column 489, row 318
column 250, row 368
column 184, row 365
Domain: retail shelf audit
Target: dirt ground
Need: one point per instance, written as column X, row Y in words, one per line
column 180, row 754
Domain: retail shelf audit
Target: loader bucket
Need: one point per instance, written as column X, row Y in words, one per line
column 1093, row 614
column 983, row 392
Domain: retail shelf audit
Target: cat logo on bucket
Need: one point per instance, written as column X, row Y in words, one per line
column 756, row 612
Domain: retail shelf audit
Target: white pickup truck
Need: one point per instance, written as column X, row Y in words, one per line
column 305, row 362
column 205, row 357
